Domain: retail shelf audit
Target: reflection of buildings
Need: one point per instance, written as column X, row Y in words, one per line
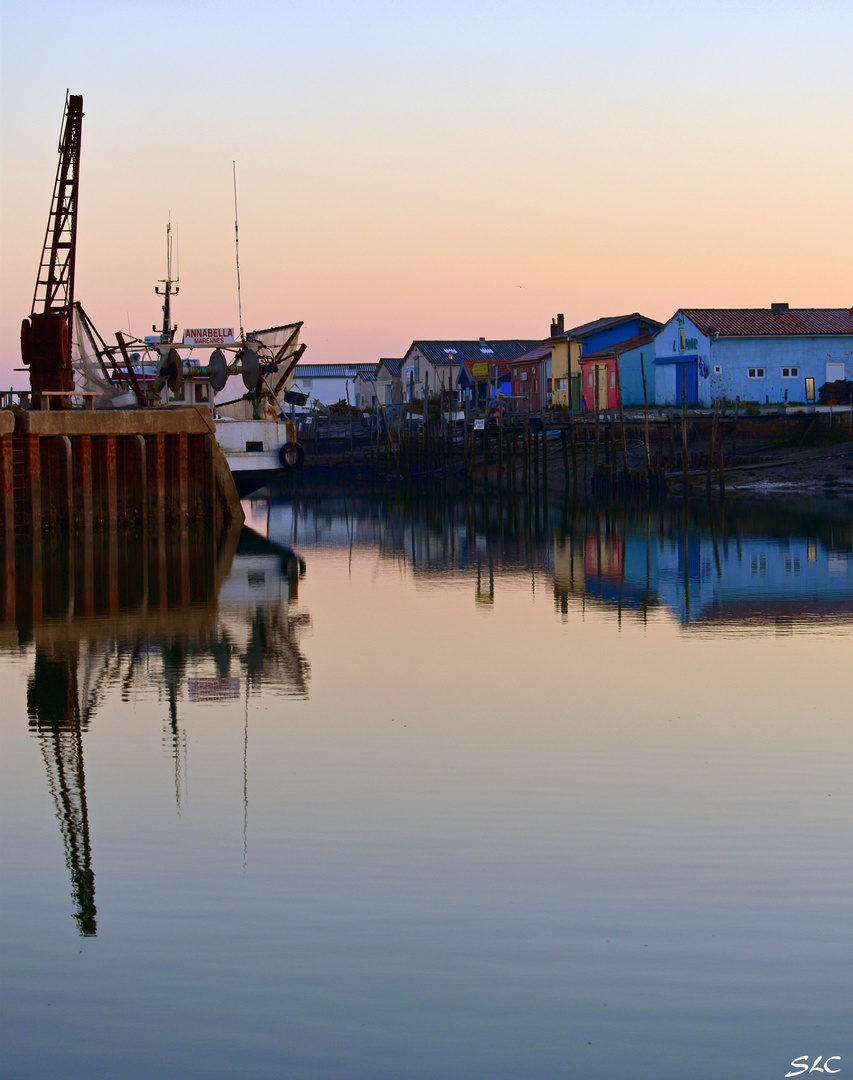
column 599, row 562
column 439, row 537
column 197, row 618
column 743, row 563
column 756, row 579
column 702, row 573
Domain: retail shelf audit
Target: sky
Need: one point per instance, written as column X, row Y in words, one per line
column 433, row 169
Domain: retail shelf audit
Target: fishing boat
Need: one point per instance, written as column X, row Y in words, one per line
column 163, row 370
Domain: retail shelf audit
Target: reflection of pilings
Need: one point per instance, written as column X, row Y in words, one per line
column 53, row 709
column 52, row 579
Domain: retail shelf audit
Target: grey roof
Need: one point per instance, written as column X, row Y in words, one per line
column 439, row 352
column 330, row 371
column 394, row 365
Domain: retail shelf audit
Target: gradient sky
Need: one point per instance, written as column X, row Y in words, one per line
column 402, row 168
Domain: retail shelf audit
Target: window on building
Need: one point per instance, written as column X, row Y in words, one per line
column 681, row 338
column 755, row 372
column 790, row 373
column 305, row 384
column 524, row 376
column 591, row 379
column 718, row 369
column 612, row 380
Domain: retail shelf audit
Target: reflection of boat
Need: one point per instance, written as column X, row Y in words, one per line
column 205, row 620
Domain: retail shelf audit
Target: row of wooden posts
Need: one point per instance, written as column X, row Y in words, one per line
column 594, row 453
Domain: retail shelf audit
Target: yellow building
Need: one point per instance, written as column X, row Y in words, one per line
column 566, row 372
column 565, row 366
column 567, row 346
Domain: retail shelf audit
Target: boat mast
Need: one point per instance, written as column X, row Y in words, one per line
column 170, row 288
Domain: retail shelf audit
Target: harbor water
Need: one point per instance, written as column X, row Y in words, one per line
column 380, row 790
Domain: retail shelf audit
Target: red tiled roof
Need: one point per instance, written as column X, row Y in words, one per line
column 764, row 322
column 539, row 353
column 496, row 369
column 618, row 348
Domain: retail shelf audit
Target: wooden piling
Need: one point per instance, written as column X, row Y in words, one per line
column 684, row 462
column 646, row 420
column 573, row 441
column 622, row 419
column 711, row 447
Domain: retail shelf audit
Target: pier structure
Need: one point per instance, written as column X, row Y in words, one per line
column 73, row 469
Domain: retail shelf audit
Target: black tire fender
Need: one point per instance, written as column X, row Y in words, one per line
column 291, row 455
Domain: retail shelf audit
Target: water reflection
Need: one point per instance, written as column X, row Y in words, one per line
column 193, row 619
column 181, row 613
column 712, row 567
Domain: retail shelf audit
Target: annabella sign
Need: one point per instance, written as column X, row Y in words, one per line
column 210, row 335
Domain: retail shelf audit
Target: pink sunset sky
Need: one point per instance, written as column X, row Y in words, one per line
column 431, row 170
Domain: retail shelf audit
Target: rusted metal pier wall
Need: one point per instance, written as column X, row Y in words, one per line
column 70, row 470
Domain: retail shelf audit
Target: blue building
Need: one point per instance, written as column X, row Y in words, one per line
column 618, row 372
column 763, row 355
column 568, row 347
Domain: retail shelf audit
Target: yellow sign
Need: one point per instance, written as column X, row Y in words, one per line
column 480, row 371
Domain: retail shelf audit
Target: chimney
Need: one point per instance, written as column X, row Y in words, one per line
column 557, row 326
column 777, row 309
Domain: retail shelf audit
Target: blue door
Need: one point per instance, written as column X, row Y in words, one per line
column 687, row 378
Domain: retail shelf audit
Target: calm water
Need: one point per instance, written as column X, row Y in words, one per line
column 422, row 792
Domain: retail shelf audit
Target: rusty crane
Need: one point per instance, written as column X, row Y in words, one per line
column 46, row 334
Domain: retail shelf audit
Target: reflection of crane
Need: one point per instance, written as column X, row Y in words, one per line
column 46, row 335
column 53, row 709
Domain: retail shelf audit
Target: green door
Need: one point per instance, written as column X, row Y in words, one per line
column 576, row 393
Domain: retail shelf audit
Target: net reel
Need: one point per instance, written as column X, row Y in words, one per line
column 173, row 371
column 247, row 365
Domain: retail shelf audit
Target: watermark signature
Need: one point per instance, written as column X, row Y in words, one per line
column 821, row 1064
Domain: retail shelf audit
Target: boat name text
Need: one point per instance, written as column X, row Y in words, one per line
column 210, row 335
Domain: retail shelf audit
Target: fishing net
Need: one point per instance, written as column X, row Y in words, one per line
column 90, row 374
column 278, row 346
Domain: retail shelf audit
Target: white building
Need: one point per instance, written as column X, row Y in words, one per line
column 327, row 384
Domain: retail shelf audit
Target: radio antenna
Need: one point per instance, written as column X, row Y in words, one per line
column 237, row 251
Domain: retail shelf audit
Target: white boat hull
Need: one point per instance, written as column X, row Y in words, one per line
column 252, row 449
